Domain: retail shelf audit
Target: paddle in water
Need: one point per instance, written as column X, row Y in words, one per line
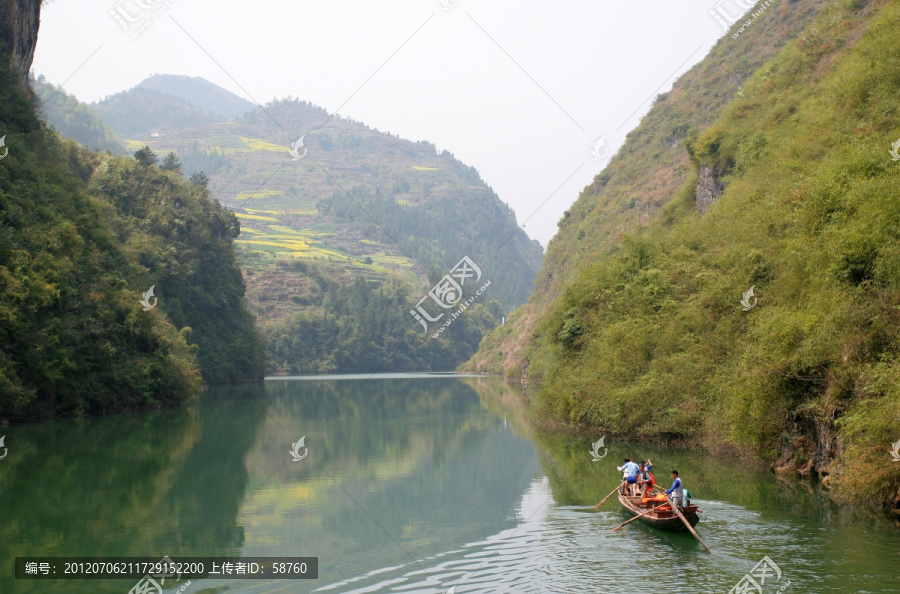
column 640, row 515
column 686, row 523
column 610, row 495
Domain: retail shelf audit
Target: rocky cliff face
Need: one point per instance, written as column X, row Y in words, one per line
column 19, row 22
column 708, row 188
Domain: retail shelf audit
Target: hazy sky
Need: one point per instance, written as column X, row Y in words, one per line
column 520, row 90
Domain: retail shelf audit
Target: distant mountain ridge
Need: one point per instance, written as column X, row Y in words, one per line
column 164, row 101
column 199, row 92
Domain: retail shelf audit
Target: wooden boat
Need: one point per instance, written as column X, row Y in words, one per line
column 663, row 518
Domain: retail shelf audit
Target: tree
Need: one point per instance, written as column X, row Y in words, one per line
column 199, row 178
column 171, row 163
column 145, row 156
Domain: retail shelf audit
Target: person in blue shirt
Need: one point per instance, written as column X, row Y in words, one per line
column 630, row 472
column 676, row 491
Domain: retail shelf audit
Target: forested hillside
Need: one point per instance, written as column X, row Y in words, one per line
column 788, row 188
column 74, row 119
column 83, row 239
column 339, row 245
column 182, row 241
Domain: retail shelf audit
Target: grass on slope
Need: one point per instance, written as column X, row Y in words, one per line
column 651, row 339
column 645, row 174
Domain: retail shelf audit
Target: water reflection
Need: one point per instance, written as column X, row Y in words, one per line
column 150, row 484
column 410, row 485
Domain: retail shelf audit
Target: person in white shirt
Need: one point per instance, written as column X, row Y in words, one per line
column 676, row 491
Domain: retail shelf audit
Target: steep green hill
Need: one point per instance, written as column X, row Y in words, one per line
column 789, row 188
column 73, row 338
column 83, row 237
column 643, row 176
column 357, row 193
column 182, row 242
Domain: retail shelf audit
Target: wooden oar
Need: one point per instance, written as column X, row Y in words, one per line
column 686, row 523
column 610, row 495
column 640, row 515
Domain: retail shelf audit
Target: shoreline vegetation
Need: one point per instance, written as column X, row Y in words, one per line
column 778, row 178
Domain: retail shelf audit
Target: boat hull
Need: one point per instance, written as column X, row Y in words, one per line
column 664, row 520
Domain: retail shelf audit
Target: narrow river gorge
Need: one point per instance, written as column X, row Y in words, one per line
column 411, row 483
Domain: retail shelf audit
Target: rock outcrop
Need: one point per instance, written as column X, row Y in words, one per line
column 19, row 22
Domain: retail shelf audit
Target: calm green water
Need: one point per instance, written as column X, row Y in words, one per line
column 411, row 484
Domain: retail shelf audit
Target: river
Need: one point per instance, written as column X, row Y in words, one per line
column 409, row 483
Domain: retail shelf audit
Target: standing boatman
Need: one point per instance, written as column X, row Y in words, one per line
column 676, row 491
column 630, row 472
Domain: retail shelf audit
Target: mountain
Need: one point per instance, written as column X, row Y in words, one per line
column 199, row 93
column 84, row 237
column 74, row 119
column 140, row 112
column 350, row 232
column 731, row 279
column 164, row 101
column 348, row 235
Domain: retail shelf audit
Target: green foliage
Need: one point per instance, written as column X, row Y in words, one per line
column 73, row 338
column 171, row 163
column 83, row 236
column 437, row 236
column 199, row 178
column 365, row 326
column 647, row 337
column 182, row 241
column 138, row 112
column 74, row 119
column 145, row 156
